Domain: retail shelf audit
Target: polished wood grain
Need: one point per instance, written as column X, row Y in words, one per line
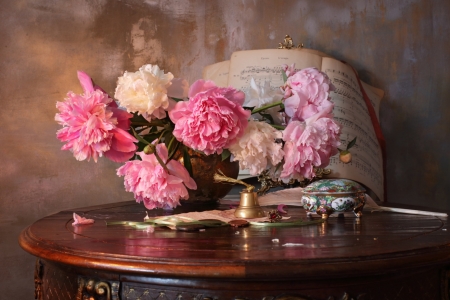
column 342, row 252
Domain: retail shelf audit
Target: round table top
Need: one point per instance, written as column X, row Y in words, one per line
column 376, row 243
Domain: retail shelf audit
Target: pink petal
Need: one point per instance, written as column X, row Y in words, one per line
column 81, row 220
column 123, row 141
column 122, row 116
column 177, row 169
column 200, row 86
column 162, row 152
column 85, row 81
column 118, row 156
column 179, row 111
column 280, row 209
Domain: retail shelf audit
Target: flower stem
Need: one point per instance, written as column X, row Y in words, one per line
column 161, row 135
column 151, row 149
column 280, row 127
column 262, row 108
column 161, row 161
column 137, row 136
column 149, row 124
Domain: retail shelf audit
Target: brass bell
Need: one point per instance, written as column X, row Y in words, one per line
column 249, row 207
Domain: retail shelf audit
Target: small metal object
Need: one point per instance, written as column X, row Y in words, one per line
column 324, row 211
column 90, row 289
column 268, row 183
column 288, row 43
column 249, row 207
column 238, row 223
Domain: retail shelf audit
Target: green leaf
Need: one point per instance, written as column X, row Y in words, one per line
column 263, row 108
column 138, row 118
column 351, row 144
column 284, row 76
column 172, row 147
column 137, row 136
column 151, row 137
column 225, row 154
column 187, row 161
column 167, row 138
column 140, row 146
column 140, row 129
column 139, row 121
column 279, row 127
column 268, row 117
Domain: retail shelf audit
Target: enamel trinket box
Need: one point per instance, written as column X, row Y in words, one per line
column 327, row 196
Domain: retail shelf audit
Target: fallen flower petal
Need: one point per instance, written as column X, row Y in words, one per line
column 81, row 220
column 292, row 245
column 280, row 209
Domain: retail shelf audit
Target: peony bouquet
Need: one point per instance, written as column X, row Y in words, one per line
column 288, row 132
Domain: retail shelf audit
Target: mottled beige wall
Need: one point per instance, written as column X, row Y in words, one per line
column 399, row 46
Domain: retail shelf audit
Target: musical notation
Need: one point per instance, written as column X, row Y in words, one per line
column 351, row 112
column 260, row 74
column 261, row 69
column 350, row 108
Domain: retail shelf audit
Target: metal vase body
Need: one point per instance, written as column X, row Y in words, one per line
column 203, row 168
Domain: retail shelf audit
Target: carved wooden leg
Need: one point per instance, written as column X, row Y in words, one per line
column 38, row 271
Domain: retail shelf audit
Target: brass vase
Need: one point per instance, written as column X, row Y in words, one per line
column 203, row 168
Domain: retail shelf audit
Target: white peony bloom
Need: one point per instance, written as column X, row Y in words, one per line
column 257, row 150
column 145, row 91
column 259, row 95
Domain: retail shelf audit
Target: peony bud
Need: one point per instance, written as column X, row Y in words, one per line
column 149, row 149
column 345, row 156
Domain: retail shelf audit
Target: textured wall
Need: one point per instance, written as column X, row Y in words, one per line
column 399, row 46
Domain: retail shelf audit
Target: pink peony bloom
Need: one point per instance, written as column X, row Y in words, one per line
column 93, row 125
column 212, row 119
column 308, row 144
column 152, row 184
column 308, row 94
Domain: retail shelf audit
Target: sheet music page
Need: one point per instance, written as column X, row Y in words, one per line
column 218, row 73
column 266, row 65
column 375, row 95
column 351, row 111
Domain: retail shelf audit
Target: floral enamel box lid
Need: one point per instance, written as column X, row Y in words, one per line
column 333, row 186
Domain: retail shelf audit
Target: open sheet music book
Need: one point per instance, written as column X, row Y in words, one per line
column 350, row 109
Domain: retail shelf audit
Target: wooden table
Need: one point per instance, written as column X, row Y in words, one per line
column 382, row 256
